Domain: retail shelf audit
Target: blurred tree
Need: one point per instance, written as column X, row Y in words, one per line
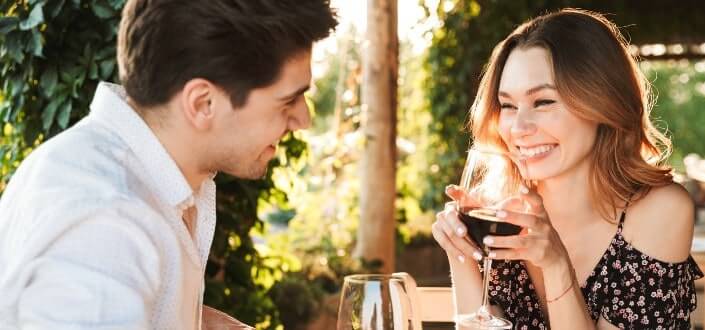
column 378, row 171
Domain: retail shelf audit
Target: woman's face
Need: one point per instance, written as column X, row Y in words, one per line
column 535, row 123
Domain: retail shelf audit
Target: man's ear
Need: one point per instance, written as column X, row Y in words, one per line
column 197, row 98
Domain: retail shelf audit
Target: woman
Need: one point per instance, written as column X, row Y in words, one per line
column 610, row 242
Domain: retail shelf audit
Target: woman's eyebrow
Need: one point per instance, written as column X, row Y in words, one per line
column 532, row 90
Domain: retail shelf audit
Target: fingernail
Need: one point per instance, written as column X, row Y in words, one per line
column 460, row 231
column 492, row 255
column 449, row 206
column 461, row 258
column 449, row 188
column 477, row 255
column 501, row 214
column 487, row 240
column 523, row 190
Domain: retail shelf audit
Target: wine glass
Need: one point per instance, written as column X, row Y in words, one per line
column 378, row 302
column 492, row 179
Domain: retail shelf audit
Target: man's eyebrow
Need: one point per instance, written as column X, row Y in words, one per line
column 296, row 93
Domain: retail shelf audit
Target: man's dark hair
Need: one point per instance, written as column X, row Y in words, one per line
column 238, row 45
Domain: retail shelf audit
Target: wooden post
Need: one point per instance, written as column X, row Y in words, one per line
column 379, row 99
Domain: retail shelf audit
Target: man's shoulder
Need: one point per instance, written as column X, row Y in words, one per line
column 82, row 158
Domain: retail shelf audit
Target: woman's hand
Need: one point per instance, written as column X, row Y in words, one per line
column 538, row 243
column 449, row 232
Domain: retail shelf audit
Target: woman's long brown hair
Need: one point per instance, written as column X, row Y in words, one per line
column 601, row 82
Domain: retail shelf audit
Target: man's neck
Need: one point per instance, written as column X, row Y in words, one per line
column 175, row 139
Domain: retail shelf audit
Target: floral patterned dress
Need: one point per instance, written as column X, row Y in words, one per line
column 627, row 288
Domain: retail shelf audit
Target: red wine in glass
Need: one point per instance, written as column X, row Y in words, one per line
column 481, row 222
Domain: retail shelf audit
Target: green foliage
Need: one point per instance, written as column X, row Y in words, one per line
column 53, row 53
column 680, row 106
column 301, row 297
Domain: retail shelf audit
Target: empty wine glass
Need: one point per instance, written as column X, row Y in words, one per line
column 378, row 302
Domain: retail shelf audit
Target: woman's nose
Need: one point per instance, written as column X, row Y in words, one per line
column 523, row 124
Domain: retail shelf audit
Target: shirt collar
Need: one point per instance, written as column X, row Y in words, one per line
column 111, row 108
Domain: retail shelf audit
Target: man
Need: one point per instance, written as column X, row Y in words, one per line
column 109, row 224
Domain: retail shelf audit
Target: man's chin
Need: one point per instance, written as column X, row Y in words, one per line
column 251, row 174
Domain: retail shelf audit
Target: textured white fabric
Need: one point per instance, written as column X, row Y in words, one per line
column 91, row 231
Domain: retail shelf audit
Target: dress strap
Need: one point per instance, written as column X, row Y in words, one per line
column 620, row 226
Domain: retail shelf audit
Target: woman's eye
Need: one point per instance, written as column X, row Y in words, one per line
column 539, row 103
column 506, row 106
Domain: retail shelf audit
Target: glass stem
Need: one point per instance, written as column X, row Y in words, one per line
column 484, row 308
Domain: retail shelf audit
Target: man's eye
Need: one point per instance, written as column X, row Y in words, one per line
column 539, row 103
column 292, row 101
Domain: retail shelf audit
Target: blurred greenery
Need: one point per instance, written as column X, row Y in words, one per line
column 680, row 108
column 277, row 272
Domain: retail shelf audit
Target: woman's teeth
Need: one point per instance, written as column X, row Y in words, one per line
column 535, row 151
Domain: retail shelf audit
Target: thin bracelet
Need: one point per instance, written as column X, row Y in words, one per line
column 562, row 294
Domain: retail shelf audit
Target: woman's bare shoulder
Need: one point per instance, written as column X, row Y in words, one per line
column 660, row 224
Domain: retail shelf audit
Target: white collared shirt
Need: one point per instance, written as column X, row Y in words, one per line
column 91, row 230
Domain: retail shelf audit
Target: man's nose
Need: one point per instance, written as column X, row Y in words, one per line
column 300, row 118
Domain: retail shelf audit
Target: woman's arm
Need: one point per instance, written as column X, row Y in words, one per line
column 451, row 235
column 467, row 285
column 564, row 299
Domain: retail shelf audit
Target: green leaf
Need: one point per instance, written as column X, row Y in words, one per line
column 54, row 8
column 103, row 10
column 13, row 45
column 17, row 82
column 70, row 74
column 35, row 46
column 8, row 23
column 105, row 52
column 93, row 71
column 50, row 112
column 116, row 4
column 5, row 113
column 106, row 69
column 64, row 114
column 48, row 81
column 36, row 17
column 77, row 84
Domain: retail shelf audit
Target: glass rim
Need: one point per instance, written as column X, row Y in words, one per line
column 497, row 209
column 361, row 278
